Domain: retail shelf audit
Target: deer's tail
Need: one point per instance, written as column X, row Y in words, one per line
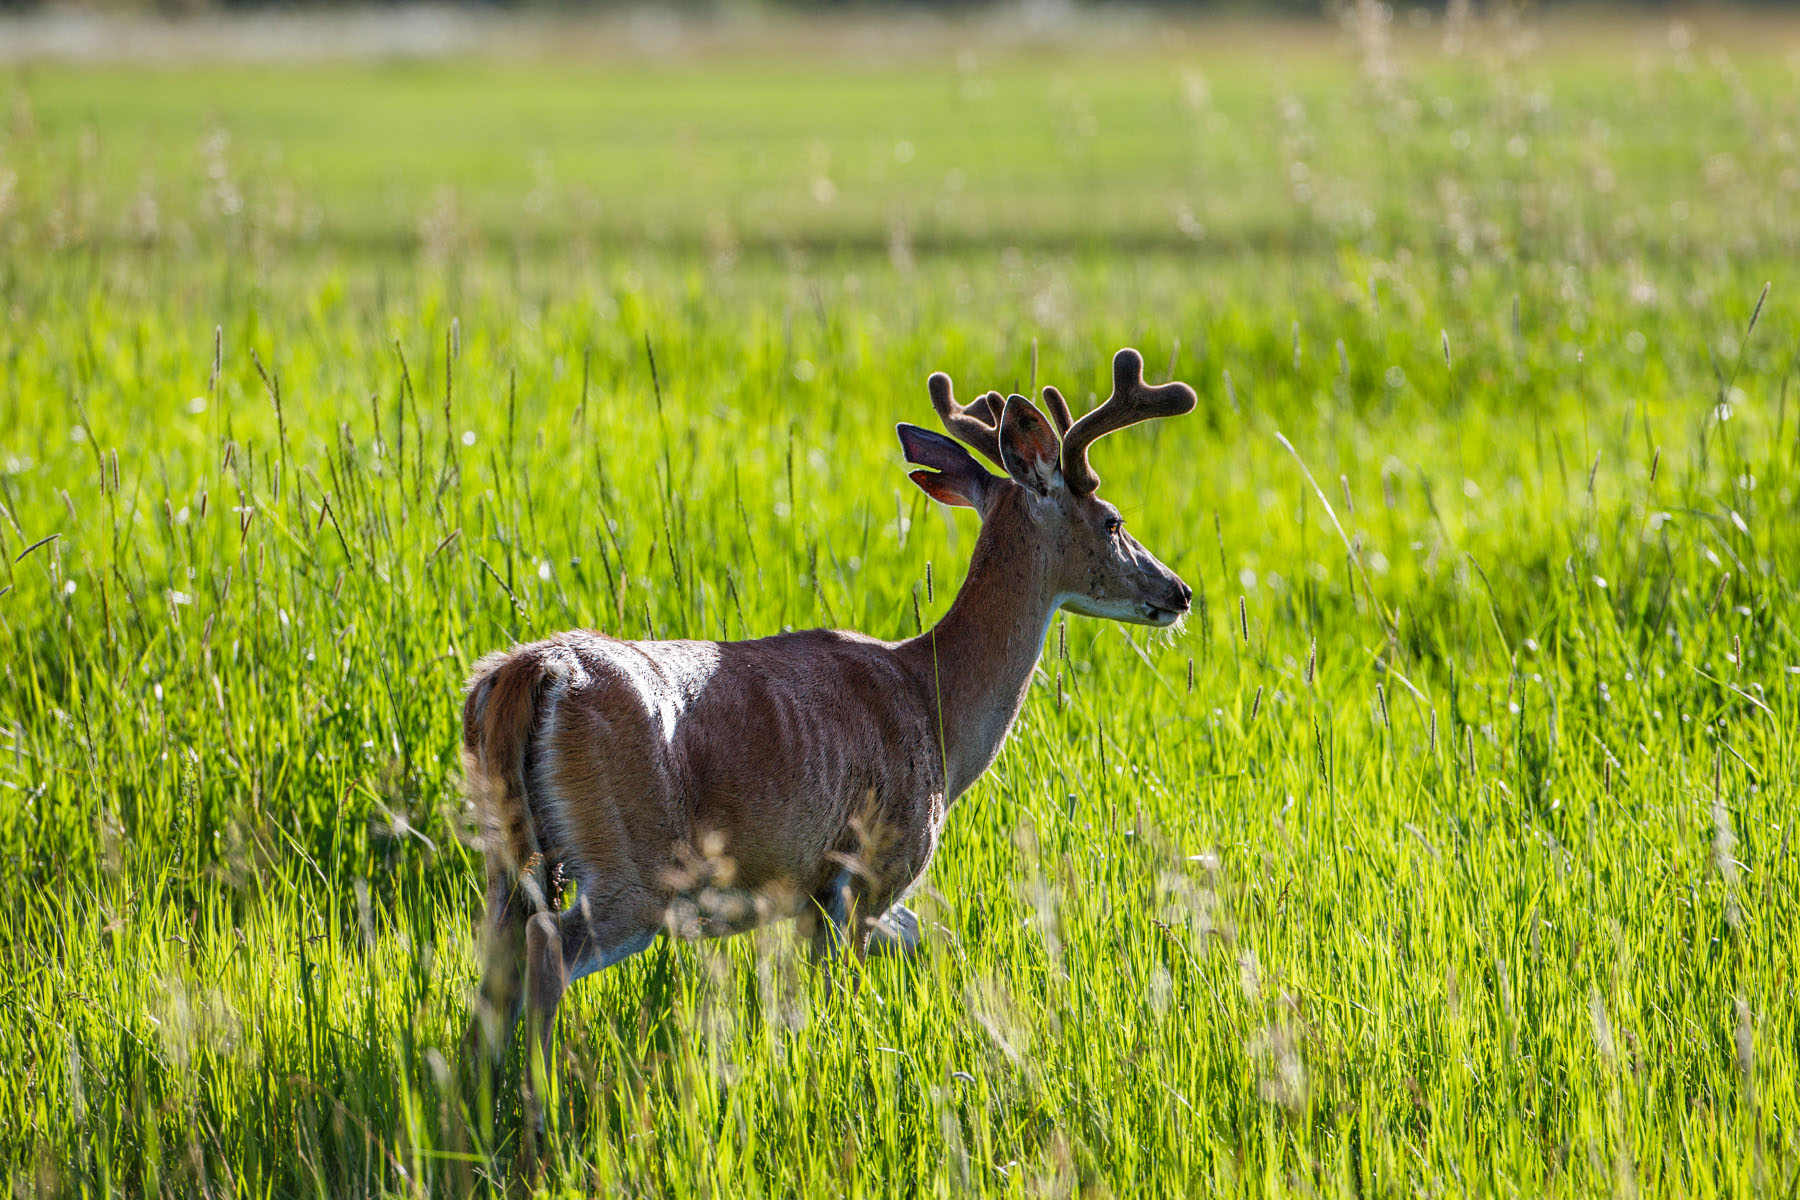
column 500, row 722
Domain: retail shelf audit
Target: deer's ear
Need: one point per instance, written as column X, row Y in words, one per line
column 943, row 488
column 955, row 477
column 1029, row 447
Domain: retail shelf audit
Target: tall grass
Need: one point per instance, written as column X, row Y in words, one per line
column 1445, row 851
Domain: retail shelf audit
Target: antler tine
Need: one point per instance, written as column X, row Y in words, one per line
column 1059, row 410
column 1132, row 400
column 987, row 407
column 970, row 422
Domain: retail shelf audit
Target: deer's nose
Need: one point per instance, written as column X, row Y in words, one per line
column 1184, row 593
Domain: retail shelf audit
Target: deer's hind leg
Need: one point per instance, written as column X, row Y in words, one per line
column 560, row 948
column 498, row 1000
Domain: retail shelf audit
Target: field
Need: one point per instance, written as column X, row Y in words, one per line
column 1444, row 851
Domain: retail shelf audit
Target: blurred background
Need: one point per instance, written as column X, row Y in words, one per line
column 340, row 346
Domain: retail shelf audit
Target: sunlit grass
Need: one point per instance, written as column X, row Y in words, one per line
column 1446, row 849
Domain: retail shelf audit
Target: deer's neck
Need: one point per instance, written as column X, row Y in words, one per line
column 978, row 660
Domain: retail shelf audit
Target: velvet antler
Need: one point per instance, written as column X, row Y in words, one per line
column 976, row 423
column 1132, row 400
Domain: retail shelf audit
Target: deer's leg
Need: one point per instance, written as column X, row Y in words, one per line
column 829, row 918
column 494, row 1012
column 497, row 1002
column 895, row 857
column 877, row 924
column 563, row 947
column 859, row 909
column 896, row 932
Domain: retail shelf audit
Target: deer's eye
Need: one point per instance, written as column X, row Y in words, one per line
column 1115, row 526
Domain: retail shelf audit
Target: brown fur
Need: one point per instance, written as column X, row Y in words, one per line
column 704, row 787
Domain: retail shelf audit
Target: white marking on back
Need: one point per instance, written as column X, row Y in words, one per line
column 668, row 677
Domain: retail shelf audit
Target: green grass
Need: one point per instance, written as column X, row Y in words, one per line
column 1445, row 854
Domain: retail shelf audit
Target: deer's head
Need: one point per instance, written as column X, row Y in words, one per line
column 1046, row 500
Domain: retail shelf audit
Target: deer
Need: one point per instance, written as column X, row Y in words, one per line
column 699, row 788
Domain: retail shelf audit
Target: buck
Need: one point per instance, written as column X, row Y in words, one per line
column 700, row 788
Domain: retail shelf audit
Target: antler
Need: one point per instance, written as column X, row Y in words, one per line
column 977, row 423
column 1131, row 401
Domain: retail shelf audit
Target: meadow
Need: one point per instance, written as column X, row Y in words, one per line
column 1442, row 852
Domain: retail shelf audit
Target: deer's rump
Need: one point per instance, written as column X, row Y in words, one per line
column 653, row 766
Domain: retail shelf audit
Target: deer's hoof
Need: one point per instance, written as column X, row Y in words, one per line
column 897, row 932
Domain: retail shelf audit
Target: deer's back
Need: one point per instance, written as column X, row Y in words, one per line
column 764, row 749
